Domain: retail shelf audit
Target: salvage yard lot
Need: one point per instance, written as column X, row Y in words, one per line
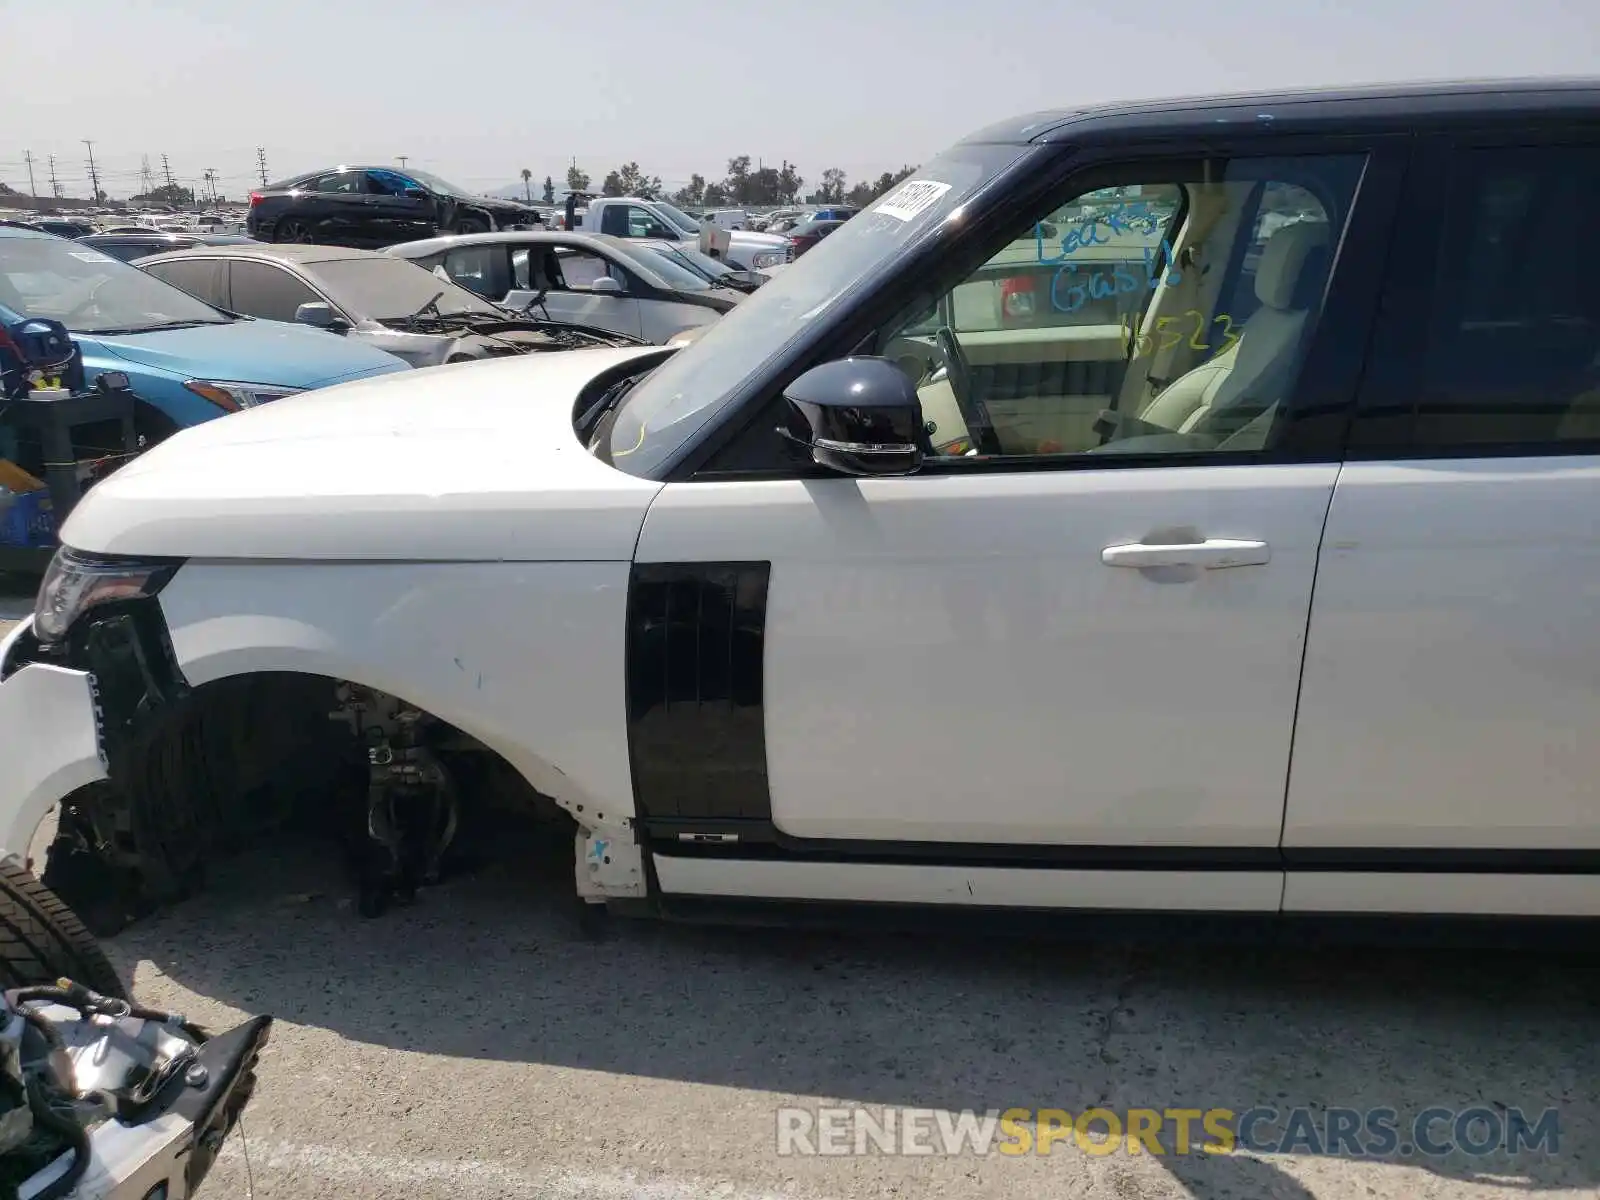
column 477, row 1046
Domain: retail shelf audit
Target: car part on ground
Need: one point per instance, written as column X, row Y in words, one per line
column 104, row 1099
column 369, row 299
column 375, row 206
column 41, row 938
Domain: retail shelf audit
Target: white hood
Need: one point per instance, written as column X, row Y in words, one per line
column 471, row 462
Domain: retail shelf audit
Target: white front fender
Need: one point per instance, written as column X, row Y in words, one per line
column 526, row 657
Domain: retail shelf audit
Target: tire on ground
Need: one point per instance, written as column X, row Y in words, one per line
column 41, row 939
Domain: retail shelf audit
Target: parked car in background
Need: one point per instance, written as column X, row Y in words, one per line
column 370, row 299
column 808, row 231
column 631, row 217
column 129, row 246
column 63, row 226
column 186, row 360
column 586, row 278
column 375, row 207
column 712, row 270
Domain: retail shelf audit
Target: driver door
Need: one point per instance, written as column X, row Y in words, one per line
column 1072, row 639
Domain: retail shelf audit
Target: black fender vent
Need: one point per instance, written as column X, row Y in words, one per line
column 696, row 732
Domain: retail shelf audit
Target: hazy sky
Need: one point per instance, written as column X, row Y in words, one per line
column 478, row 89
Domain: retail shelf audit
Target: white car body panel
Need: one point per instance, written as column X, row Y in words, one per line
column 52, row 747
column 661, row 320
column 970, row 622
column 1452, row 680
column 998, row 887
column 475, row 462
column 1439, row 893
column 526, row 657
column 619, row 313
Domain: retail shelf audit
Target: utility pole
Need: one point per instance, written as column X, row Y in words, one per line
column 27, row 157
column 402, row 158
column 94, row 177
column 55, row 188
column 166, row 170
column 147, row 177
column 211, row 178
column 261, row 163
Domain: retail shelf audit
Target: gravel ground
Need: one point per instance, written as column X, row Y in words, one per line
column 477, row 1046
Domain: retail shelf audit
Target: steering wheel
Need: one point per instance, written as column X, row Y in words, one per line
column 973, row 410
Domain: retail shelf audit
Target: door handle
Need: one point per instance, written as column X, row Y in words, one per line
column 1213, row 554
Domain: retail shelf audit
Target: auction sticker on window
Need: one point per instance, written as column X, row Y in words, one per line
column 911, row 198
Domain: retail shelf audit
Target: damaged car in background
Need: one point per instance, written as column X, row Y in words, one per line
column 384, row 301
column 376, row 206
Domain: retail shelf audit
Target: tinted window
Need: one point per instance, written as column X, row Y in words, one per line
column 1514, row 339
column 341, row 181
column 198, row 277
column 479, row 269
column 263, row 290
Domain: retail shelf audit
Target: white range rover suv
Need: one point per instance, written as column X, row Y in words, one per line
column 1174, row 508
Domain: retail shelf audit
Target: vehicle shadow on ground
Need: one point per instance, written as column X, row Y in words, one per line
column 924, row 1021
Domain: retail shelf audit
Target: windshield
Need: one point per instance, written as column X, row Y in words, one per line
column 391, row 289
column 703, row 265
column 89, row 291
column 675, row 272
column 679, row 218
column 441, row 186
column 669, row 406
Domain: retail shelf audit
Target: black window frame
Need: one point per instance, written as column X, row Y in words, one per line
column 1324, row 399
column 234, row 263
column 1383, row 425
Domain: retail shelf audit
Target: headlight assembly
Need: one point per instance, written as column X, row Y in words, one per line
column 770, row 258
column 231, row 397
column 77, row 582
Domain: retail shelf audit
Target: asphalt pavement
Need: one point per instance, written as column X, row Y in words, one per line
column 478, row 1045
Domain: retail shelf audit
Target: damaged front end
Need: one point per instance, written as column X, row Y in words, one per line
column 189, row 775
column 475, row 335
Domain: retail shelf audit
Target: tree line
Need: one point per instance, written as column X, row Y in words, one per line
column 740, row 186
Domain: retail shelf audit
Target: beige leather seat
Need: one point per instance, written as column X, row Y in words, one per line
column 1260, row 366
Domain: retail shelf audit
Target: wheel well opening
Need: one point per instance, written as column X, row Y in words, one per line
column 251, row 757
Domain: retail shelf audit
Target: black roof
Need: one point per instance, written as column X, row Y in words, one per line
column 1372, row 106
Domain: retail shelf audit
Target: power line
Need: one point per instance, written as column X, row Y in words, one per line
column 27, row 157
column 94, row 178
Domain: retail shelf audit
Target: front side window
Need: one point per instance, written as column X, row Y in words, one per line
column 579, row 270
column 479, row 269
column 1513, row 344
column 642, row 223
column 1166, row 313
column 265, row 291
column 91, row 292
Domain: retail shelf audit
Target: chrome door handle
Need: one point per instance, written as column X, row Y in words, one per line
column 1213, row 554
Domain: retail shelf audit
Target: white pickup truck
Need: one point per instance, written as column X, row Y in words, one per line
column 1180, row 510
column 630, row 217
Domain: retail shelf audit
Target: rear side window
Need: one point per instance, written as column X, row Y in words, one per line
column 199, row 277
column 1512, row 355
column 262, row 290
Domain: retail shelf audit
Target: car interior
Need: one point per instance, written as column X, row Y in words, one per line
column 1146, row 318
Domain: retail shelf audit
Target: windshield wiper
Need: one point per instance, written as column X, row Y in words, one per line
column 609, row 399
column 431, row 305
column 159, row 325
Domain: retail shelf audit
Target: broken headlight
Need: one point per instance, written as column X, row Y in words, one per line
column 77, row 582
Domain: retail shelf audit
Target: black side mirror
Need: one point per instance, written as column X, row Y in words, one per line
column 857, row 416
